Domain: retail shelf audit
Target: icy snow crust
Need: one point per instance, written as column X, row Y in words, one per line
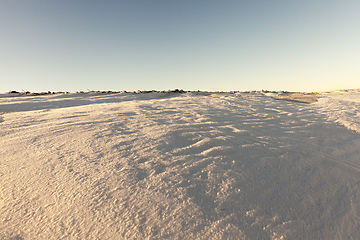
column 179, row 166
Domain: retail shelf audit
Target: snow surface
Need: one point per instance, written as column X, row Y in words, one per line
column 179, row 166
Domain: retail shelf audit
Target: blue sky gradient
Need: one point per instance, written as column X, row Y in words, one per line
column 161, row 44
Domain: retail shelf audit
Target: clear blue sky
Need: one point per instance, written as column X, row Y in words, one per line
column 69, row 45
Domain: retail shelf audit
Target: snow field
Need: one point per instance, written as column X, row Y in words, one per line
column 157, row 166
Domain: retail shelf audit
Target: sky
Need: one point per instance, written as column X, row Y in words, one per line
column 309, row 45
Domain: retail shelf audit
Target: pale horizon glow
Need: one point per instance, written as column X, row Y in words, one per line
column 190, row 45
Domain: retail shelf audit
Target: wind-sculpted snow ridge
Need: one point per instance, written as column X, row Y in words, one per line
column 343, row 107
column 176, row 167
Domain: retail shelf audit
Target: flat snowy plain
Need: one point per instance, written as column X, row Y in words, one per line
column 179, row 166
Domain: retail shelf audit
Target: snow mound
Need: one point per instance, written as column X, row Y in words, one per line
column 342, row 107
